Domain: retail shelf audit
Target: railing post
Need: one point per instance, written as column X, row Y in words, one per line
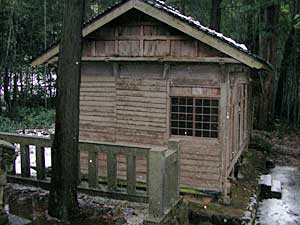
column 175, row 187
column 25, row 160
column 131, row 173
column 40, row 162
column 111, row 171
column 93, row 169
column 156, row 182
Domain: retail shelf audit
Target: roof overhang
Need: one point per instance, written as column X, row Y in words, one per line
column 163, row 16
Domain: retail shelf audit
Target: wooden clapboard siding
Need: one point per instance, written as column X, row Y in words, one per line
column 194, row 74
column 240, row 114
column 132, row 107
column 200, row 164
column 141, row 166
column 201, row 184
column 141, row 110
column 97, row 119
column 127, row 109
column 96, row 71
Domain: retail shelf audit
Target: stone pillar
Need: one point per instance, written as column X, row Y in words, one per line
column 156, row 182
column 7, row 158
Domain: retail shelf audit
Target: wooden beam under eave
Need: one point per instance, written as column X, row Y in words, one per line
column 220, row 60
column 164, row 59
column 46, row 56
column 199, row 35
column 52, row 60
column 107, row 18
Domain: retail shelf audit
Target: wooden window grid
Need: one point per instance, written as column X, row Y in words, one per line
column 196, row 117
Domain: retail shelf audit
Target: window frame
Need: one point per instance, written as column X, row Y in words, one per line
column 194, row 117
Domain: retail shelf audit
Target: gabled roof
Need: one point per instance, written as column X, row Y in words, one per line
column 167, row 14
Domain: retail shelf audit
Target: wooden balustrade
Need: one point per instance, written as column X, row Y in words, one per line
column 162, row 180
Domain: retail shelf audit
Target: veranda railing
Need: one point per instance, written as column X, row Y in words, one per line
column 162, row 182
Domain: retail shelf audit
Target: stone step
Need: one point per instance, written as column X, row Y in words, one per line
column 269, row 188
column 276, row 189
column 265, row 184
column 266, row 180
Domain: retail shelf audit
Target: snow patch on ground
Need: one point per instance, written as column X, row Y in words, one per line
column 32, row 152
column 285, row 211
column 251, row 209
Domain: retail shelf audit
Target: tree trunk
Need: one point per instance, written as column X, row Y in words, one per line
column 281, row 98
column 268, row 51
column 14, row 103
column 0, row 91
column 21, row 95
column 65, row 154
column 183, row 6
column 215, row 15
column 88, row 11
column 6, row 88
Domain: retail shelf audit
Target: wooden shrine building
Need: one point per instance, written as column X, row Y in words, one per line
column 151, row 74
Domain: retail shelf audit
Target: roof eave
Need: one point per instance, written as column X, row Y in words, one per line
column 165, row 17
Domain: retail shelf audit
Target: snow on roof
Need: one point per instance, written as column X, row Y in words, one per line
column 162, row 5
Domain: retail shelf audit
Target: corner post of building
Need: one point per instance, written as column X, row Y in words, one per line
column 225, row 129
column 156, row 182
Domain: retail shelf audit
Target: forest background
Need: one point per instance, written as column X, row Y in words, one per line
column 269, row 28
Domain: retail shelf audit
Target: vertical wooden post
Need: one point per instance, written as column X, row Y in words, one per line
column 111, row 171
column 225, row 108
column 131, row 173
column 116, row 70
column 25, row 160
column 40, row 162
column 141, row 53
column 156, row 182
column 93, row 169
column 116, row 41
column 148, row 172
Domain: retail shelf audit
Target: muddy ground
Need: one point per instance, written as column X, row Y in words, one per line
column 31, row 203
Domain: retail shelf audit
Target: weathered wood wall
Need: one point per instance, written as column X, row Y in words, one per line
column 138, row 35
column 240, row 115
column 97, row 103
column 118, row 104
column 130, row 101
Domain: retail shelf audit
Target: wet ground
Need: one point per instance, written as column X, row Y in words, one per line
column 286, row 155
column 31, row 203
column 285, row 211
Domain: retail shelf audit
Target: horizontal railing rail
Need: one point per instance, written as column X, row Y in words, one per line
column 161, row 171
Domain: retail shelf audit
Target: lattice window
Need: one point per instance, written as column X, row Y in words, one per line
column 198, row 117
